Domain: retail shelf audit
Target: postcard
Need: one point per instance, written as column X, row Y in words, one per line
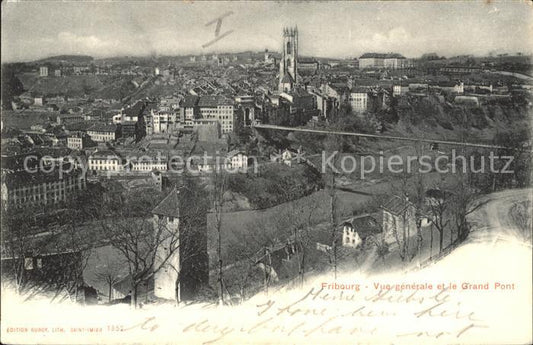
column 260, row 172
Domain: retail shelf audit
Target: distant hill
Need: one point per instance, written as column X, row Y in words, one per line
column 73, row 59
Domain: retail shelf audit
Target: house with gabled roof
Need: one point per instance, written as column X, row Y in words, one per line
column 399, row 214
column 238, row 159
column 357, row 229
column 102, row 132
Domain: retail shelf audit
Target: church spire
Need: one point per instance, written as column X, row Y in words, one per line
column 288, row 75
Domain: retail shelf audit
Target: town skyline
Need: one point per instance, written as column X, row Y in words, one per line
column 166, row 159
column 103, row 30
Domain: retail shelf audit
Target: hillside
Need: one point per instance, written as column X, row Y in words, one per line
column 432, row 118
column 11, row 86
column 115, row 87
column 68, row 85
column 275, row 184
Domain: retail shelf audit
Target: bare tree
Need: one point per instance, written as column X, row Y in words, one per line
column 73, row 242
column 251, row 251
column 402, row 231
column 109, row 274
column 243, row 274
column 440, row 208
column 246, row 257
column 269, row 236
column 293, row 226
column 333, row 223
column 16, row 244
column 333, row 146
column 402, row 235
column 463, row 203
column 303, row 221
column 382, row 248
column 419, row 202
column 140, row 241
column 43, row 260
column 219, row 182
column 147, row 243
column 431, row 241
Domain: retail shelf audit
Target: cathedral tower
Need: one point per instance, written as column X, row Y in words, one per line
column 288, row 66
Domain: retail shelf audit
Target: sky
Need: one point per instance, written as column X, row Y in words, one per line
column 37, row 29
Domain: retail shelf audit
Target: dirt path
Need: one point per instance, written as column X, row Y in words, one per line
column 492, row 221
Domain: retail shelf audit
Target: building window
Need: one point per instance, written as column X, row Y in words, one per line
column 28, row 264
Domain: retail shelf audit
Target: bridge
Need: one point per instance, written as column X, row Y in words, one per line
column 377, row 136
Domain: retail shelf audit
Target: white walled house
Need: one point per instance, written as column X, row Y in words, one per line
column 370, row 60
column 43, row 71
column 286, row 157
column 350, row 237
column 359, row 100
column 239, row 160
column 451, row 86
column 210, row 164
column 100, row 132
column 163, row 122
column 399, row 90
column 79, row 141
column 75, row 142
column 218, row 108
column 148, row 164
column 380, row 60
column 189, row 110
column 117, row 119
column 23, row 189
column 357, row 229
column 170, row 103
column 129, row 114
column 105, row 161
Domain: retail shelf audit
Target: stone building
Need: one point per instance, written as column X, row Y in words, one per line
column 183, row 253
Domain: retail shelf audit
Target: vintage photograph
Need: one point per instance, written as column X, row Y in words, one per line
column 266, row 172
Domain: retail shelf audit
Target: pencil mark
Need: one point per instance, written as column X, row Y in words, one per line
column 218, row 22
